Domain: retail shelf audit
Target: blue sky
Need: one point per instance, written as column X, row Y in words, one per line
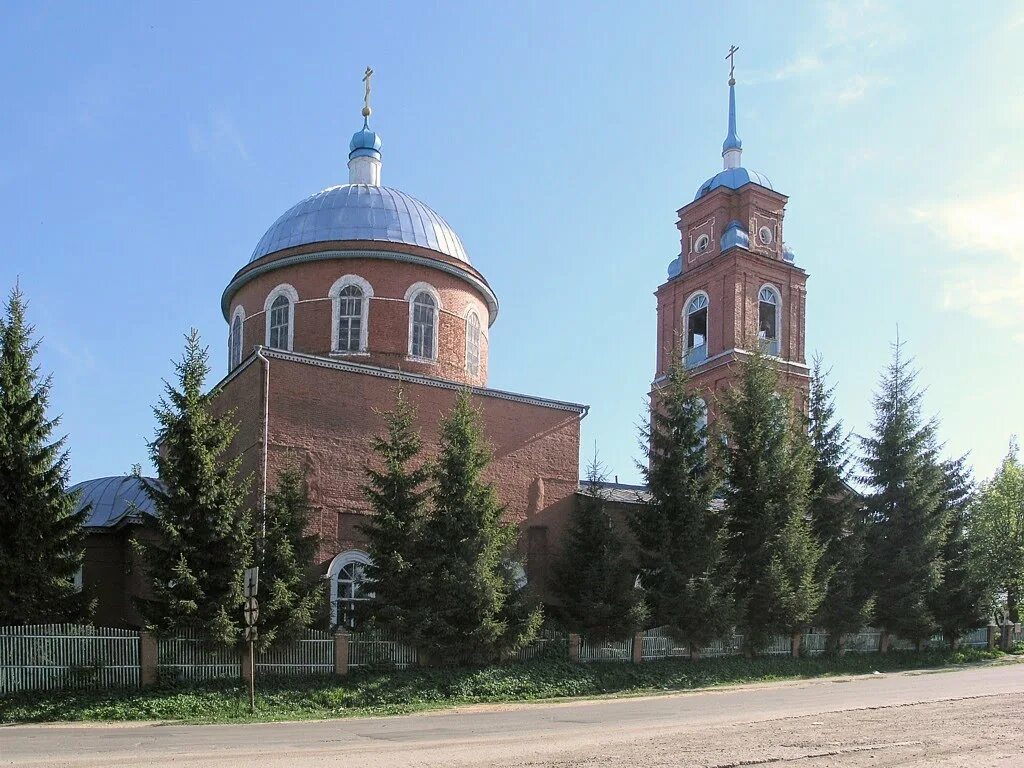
column 144, row 151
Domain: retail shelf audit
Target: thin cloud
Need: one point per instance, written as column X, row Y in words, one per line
column 989, row 282
column 801, row 65
column 215, row 133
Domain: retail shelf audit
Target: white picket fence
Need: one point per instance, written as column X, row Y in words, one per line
column 52, row 656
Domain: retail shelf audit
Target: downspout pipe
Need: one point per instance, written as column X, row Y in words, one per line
column 266, row 431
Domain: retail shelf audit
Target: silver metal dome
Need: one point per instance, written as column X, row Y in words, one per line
column 112, row 499
column 361, row 212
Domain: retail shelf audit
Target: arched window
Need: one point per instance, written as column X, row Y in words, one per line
column 350, row 297
column 280, row 310
column 768, row 320
column 473, row 344
column 235, row 339
column 349, row 586
column 424, row 305
column 696, row 330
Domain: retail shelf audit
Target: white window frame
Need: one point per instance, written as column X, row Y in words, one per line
column 292, row 295
column 364, row 319
column 470, row 316
column 410, row 296
column 686, row 319
column 340, row 561
column 235, row 360
column 778, row 316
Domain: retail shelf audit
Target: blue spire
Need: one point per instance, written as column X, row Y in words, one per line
column 732, row 141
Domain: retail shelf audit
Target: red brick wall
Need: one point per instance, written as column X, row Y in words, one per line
column 388, row 315
column 732, row 281
column 323, row 420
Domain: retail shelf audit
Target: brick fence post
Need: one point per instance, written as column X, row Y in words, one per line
column 794, row 644
column 147, row 659
column 638, row 648
column 341, row 653
column 1007, row 638
column 574, row 647
column 991, row 639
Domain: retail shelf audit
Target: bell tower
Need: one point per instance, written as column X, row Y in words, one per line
column 734, row 284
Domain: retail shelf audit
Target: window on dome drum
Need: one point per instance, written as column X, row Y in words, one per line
column 424, row 326
column 768, row 321
column 352, row 589
column 277, row 335
column 696, row 331
column 350, row 319
column 473, row 344
column 235, row 343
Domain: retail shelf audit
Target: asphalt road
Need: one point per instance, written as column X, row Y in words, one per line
column 970, row 717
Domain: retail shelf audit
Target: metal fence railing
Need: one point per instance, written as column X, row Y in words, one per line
column 311, row 654
column 549, row 641
column 610, row 651
column 189, row 658
column 52, row 656
column 378, row 646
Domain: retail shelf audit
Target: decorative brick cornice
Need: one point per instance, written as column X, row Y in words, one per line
column 413, row 378
column 246, row 275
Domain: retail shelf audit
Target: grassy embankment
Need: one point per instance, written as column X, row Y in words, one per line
column 384, row 692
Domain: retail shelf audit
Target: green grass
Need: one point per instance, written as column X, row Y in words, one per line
column 379, row 692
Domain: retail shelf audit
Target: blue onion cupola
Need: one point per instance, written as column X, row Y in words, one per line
column 365, row 143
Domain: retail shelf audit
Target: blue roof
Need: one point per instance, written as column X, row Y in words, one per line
column 361, row 212
column 364, row 142
column 733, row 178
column 113, row 499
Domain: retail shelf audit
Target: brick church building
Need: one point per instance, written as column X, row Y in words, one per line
column 361, row 289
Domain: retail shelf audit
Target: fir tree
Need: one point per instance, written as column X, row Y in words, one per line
column 593, row 577
column 290, row 593
column 997, row 535
column 680, row 530
column 768, row 478
column 959, row 602
column 200, row 538
column 906, row 521
column 42, row 542
column 469, row 583
column 837, row 518
column 398, row 497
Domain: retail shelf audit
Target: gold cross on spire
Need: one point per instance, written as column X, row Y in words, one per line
column 366, row 94
column 732, row 63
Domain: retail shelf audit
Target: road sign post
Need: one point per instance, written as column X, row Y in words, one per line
column 251, row 613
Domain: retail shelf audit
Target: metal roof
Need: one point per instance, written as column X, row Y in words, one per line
column 733, row 178
column 361, row 212
column 113, row 499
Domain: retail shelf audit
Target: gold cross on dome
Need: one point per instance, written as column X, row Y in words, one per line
column 366, row 93
column 732, row 61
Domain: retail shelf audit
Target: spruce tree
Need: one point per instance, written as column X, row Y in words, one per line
column 768, row 478
column 396, row 490
column 837, row 518
column 997, row 535
column 291, row 595
column 200, row 540
column 906, row 520
column 959, row 601
column 468, row 581
column 680, row 530
column 594, row 578
column 42, row 542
